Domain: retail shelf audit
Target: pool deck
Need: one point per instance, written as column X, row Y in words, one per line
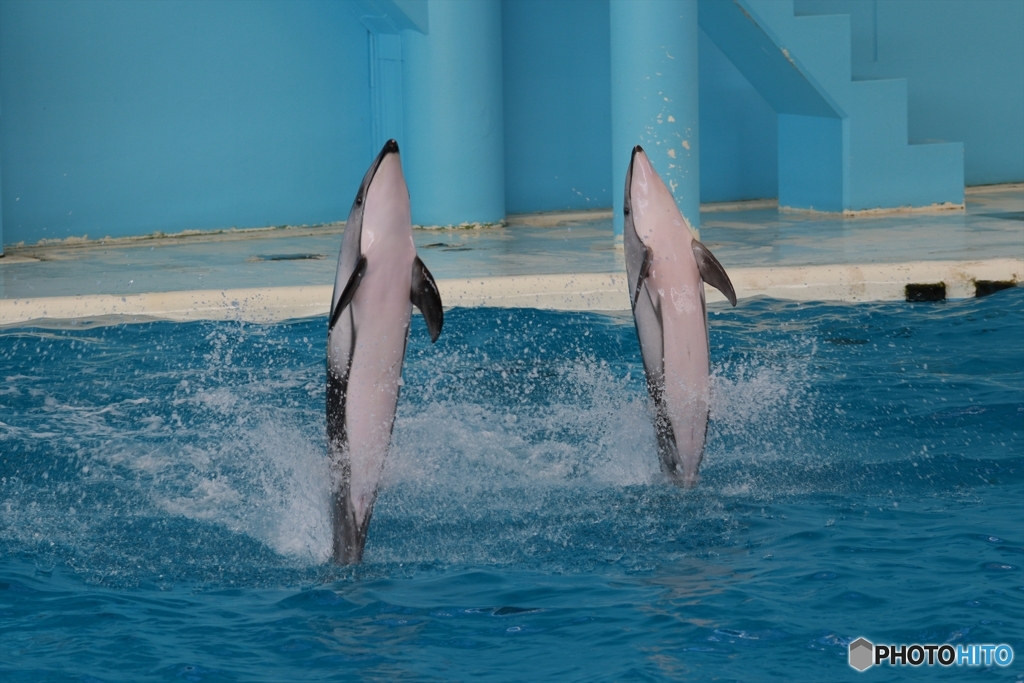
column 566, row 261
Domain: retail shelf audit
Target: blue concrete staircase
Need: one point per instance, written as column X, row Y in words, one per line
column 842, row 143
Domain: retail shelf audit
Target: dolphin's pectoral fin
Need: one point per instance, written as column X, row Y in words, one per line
column 349, row 291
column 645, row 269
column 712, row 272
column 425, row 297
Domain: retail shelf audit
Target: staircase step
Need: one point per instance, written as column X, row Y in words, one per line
column 878, row 112
column 859, row 161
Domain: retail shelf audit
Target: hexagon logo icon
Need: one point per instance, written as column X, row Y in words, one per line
column 862, row 654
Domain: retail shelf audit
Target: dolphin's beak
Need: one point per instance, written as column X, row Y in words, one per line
column 636, row 150
column 632, row 158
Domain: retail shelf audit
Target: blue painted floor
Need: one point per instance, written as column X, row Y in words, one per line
column 991, row 227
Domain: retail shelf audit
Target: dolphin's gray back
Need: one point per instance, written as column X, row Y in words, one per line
column 649, row 329
column 350, row 244
column 645, row 314
column 635, row 250
column 341, row 337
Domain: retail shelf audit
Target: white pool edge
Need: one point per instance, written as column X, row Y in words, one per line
column 567, row 292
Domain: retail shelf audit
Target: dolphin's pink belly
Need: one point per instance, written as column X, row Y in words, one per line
column 381, row 312
column 686, row 363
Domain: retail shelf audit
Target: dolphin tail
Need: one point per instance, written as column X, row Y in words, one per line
column 424, row 296
column 712, row 272
column 349, row 534
column 680, row 470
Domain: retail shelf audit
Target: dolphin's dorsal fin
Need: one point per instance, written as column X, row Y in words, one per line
column 425, row 297
column 645, row 269
column 348, row 292
column 712, row 272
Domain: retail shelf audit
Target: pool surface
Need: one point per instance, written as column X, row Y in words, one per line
column 163, row 501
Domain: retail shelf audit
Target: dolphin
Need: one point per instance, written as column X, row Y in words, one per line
column 666, row 269
column 379, row 279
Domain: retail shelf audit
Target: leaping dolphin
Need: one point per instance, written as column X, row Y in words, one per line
column 379, row 279
column 666, row 270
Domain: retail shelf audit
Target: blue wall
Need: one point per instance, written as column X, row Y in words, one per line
column 122, row 118
column 964, row 64
column 558, row 113
column 557, row 105
column 739, row 141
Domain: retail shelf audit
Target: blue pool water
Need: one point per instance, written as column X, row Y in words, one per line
column 163, row 501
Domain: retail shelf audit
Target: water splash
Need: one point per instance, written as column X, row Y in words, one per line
column 163, row 452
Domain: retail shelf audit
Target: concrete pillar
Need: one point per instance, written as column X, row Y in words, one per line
column 454, row 147
column 654, row 96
